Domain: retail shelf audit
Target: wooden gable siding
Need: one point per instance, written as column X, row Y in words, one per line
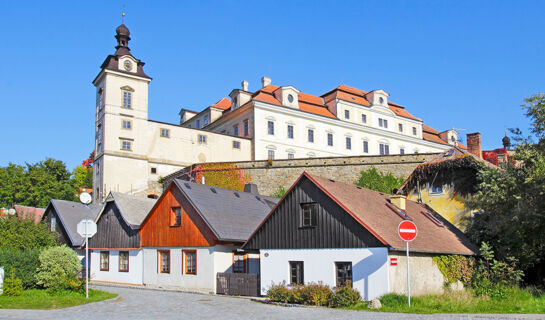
column 113, row 231
column 63, row 236
column 335, row 227
column 193, row 231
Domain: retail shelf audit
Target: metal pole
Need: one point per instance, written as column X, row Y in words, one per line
column 408, row 276
column 86, row 263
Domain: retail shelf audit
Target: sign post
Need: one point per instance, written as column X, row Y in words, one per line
column 87, row 228
column 407, row 231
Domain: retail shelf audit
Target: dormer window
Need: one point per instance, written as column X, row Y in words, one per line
column 290, row 98
column 414, row 131
column 381, row 100
column 347, row 114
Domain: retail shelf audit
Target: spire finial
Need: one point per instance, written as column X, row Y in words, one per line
column 123, row 18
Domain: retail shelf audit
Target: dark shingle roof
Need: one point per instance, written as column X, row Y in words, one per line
column 70, row 214
column 133, row 209
column 232, row 215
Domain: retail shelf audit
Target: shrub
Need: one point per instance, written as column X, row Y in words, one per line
column 456, row 268
column 12, row 286
column 19, row 233
column 24, row 262
column 317, row 294
column 279, row 293
column 58, row 267
column 346, row 296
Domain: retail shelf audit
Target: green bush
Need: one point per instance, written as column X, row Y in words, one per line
column 19, row 233
column 12, row 286
column 456, row 268
column 280, row 293
column 24, row 262
column 318, row 294
column 59, row 266
column 346, row 296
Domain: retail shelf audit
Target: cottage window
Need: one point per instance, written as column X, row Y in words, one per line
column 202, row 139
column 330, row 139
column 104, row 260
column 290, row 131
column 236, row 144
column 246, row 128
column 53, row 224
column 311, row 135
column 384, row 149
column 239, row 262
column 348, row 143
column 164, row 261
column 123, row 261
column 344, row 273
column 308, row 217
column 190, row 261
column 165, row 133
column 270, row 128
column 235, row 130
column 176, row 217
column 365, row 146
column 297, row 272
column 127, row 99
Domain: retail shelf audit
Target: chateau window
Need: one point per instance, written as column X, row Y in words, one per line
column 53, row 224
column 239, row 262
column 348, row 143
column 127, row 99
column 384, row 149
column 308, row 214
column 123, row 261
column 383, row 123
column 100, row 98
column 400, row 127
column 236, row 144
column 270, row 128
column 290, row 131
column 190, row 261
column 104, row 260
column 202, row 139
column 126, row 145
column 363, row 118
column 235, row 130
column 270, row 154
column 347, row 114
column 401, row 150
column 205, row 120
column 365, row 146
column 126, row 124
column 165, row 133
column 198, row 124
column 291, row 155
column 330, row 139
column 99, row 134
column 176, row 217
column 163, row 257
column 246, row 128
column 296, row 272
column 311, row 135
column 414, row 131
column 344, row 273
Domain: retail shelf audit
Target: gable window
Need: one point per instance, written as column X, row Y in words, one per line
column 401, row 150
column 126, row 124
column 246, row 128
column 127, row 99
column 165, row 133
column 344, row 273
column 205, row 120
column 311, row 135
column 270, row 128
column 104, row 260
column 290, row 131
column 365, row 146
column 239, row 262
column 308, row 215
column 190, row 257
column 53, row 224
column 297, row 275
column 235, row 130
column 414, row 131
column 347, row 114
column 176, row 217
column 163, row 257
column 236, row 144
column 123, row 261
column 383, row 123
column 384, row 149
column 198, row 125
column 202, row 139
column 363, row 118
column 400, row 127
column 270, row 154
column 330, row 139
column 126, row 145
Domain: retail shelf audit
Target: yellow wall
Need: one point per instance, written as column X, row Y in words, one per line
column 450, row 207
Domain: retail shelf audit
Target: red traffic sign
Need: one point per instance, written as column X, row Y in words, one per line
column 407, row 230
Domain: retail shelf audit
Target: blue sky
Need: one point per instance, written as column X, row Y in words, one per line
column 462, row 64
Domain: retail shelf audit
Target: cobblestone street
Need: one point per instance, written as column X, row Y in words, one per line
column 154, row 304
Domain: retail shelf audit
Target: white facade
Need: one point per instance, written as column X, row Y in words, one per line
column 133, row 276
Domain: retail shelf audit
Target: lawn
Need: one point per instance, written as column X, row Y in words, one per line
column 42, row 299
column 515, row 301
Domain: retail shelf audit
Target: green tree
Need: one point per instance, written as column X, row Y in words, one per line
column 280, row 192
column 16, row 233
column 36, row 184
column 378, row 181
column 58, row 267
column 83, row 177
column 511, row 201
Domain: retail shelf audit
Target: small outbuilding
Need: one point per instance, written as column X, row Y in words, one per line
column 336, row 233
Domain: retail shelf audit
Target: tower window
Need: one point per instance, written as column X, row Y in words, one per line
column 165, row 133
column 126, row 124
column 126, row 145
column 202, row 138
column 100, row 97
column 127, row 99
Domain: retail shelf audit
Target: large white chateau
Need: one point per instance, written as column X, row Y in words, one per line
column 279, row 122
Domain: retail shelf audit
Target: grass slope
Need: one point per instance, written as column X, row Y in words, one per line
column 515, row 301
column 42, row 299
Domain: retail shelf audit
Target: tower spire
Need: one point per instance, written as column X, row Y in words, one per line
column 123, row 37
column 123, row 17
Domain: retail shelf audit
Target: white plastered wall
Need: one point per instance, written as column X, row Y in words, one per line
column 133, row 276
column 425, row 276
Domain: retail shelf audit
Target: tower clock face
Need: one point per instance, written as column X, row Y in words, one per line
column 127, row 65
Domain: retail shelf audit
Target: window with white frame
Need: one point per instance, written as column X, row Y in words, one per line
column 165, row 133
column 126, row 145
column 330, row 139
column 127, row 99
column 384, row 149
column 311, row 135
column 348, row 143
column 290, row 131
column 270, row 128
column 347, row 114
column 363, row 118
column 202, row 139
column 365, row 146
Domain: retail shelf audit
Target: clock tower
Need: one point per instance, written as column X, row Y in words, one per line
column 121, row 110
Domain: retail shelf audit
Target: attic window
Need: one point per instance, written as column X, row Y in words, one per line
column 290, row 98
column 237, row 195
column 213, row 190
column 381, row 100
column 187, row 185
column 433, row 218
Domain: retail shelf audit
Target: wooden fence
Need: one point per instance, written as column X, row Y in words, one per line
column 238, row 284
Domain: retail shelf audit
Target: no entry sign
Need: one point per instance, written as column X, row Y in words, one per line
column 407, row 230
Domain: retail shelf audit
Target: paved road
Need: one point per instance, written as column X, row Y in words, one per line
column 154, row 304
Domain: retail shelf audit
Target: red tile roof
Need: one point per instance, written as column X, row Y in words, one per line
column 29, row 212
column 223, row 104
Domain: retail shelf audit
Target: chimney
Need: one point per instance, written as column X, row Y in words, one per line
column 265, row 81
column 251, row 188
column 474, row 144
column 245, row 85
column 398, row 201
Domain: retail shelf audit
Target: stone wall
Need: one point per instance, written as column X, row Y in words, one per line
column 270, row 175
